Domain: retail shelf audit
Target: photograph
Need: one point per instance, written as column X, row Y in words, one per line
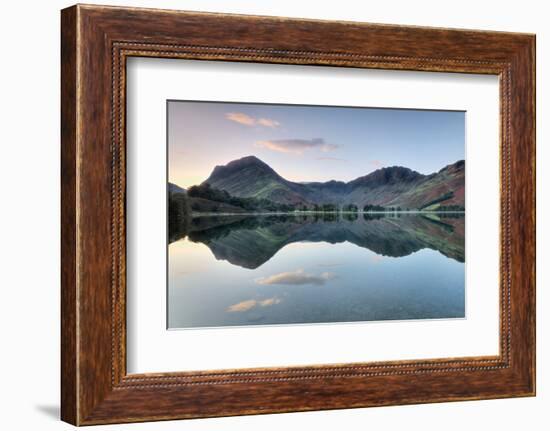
column 297, row 214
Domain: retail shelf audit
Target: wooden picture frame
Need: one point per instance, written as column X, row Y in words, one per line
column 95, row 43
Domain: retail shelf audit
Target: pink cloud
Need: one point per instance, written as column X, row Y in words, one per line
column 239, row 117
column 268, row 122
column 247, row 120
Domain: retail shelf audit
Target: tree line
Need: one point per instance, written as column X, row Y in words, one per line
column 251, row 204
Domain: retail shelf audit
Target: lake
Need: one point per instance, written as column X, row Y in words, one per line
column 240, row 270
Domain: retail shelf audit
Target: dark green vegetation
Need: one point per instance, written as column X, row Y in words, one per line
column 249, row 241
column 377, row 208
column 179, row 214
column 205, row 191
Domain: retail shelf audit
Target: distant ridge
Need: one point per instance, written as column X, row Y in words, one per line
column 173, row 188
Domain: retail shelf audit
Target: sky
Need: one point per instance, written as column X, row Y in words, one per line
column 309, row 143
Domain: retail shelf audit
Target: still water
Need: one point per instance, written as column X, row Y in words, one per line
column 273, row 270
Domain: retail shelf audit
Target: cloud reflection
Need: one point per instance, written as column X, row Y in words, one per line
column 249, row 304
column 296, row 278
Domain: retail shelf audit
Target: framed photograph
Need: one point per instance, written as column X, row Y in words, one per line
column 263, row 215
column 293, row 245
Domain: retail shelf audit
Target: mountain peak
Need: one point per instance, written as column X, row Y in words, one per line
column 388, row 175
column 247, row 159
column 454, row 167
column 251, row 164
column 400, row 172
column 241, row 163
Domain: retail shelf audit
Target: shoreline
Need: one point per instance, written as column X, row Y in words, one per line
column 209, row 214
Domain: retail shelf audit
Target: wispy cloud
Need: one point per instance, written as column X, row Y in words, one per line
column 268, row 122
column 242, row 306
column 239, row 117
column 269, row 301
column 249, row 304
column 296, row 146
column 296, row 278
column 247, row 120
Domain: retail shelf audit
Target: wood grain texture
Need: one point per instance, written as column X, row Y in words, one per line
column 68, row 218
column 96, row 41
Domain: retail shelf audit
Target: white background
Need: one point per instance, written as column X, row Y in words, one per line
column 29, row 232
column 151, row 348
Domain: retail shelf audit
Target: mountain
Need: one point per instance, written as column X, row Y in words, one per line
column 250, row 177
column 173, row 189
column 394, row 186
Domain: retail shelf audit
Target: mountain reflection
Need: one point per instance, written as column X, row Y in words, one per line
column 250, row 241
